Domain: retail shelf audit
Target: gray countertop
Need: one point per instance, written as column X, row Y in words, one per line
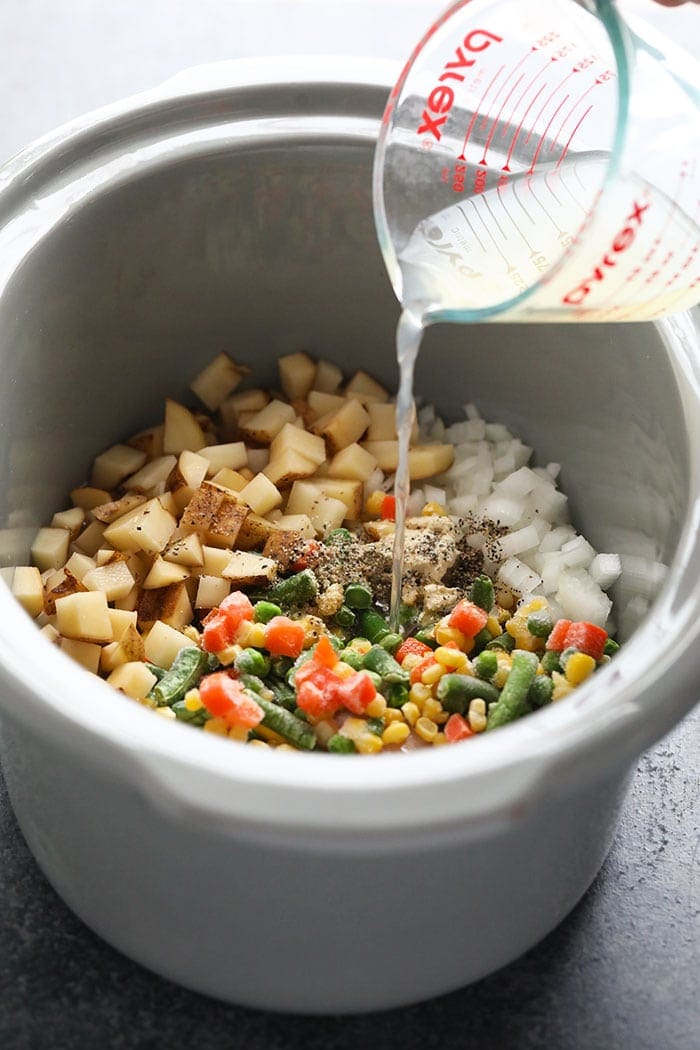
column 622, row 970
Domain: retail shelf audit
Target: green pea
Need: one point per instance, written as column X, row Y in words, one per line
column 357, row 596
column 341, row 745
column 263, row 611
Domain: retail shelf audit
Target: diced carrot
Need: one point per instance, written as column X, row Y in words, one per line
column 356, row 692
column 217, row 634
column 284, row 637
column 457, row 728
column 307, row 556
column 237, row 607
column 324, row 653
column 416, row 672
column 387, row 510
column 557, row 636
column 468, row 618
column 226, row 698
column 317, row 692
column 587, row 637
column 411, row 647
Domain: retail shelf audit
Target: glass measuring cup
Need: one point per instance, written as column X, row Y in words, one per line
column 541, row 162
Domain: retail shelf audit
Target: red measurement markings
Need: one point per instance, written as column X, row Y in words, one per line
column 515, row 69
column 572, row 136
column 543, row 136
column 524, row 92
column 476, row 113
column 571, row 111
column 506, row 166
column 489, row 140
column 546, row 102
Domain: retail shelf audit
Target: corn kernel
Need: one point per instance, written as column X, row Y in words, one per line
column 439, row 739
column 426, row 729
column 373, row 504
column 562, row 688
column 256, row 637
column 477, row 716
column 411, row 712
column 410, row 661
column 192, row 700
column 343, row 670
column 354, row 728
column 396, row 733
column 165, row 712
column 376, row 708
column 419, row 693
column 432, row 674
column 217, row 726
column 499, row 679
column 259, row 743
column 269, row 734
column 433, row 508
column 393, row 714
column 578, row 668
column 444, row 634
column 360, row 645
column 239, row 733
column 451, row 658
column 229, row 654
column 369, row 744
column 433, row 709
column 493, row 626
column 192, row 633
column 285, row 747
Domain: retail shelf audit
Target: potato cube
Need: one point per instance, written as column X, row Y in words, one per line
column 425, row 461
column 170, row 604
column 299, row 523
column 215, row 561
column 363, row 387
column 112, row 466
column 288, row 466
column 163, row 643
column 230, row 479
column 69, row 519
column 112, row 656
column 297, row 374
column 120, row 619
column 304, row 493
column 386, row 453
column 169, row 503
column 266, row 424
column 344, row 427
column 154, row 473
column 28, row 589
column 254, row 532
column 148, row 528
column 50, row 633
column 320, row 403
column 328, row 377
column 163, row 573
column 245, row 401
column 327, row 514
column 218, row 380
column 352, row 462
column 215, row 514
column 91, row 538
column 59, row 588
column 87, row 654
column 233, row 455
column 134, row 679
column 78, row 564
column 131, row 642
column 261, row 495
column 248, row 569
column 258, row 458
column 149, row 441
column 382, row 421
column 84, row 616
column 88, row 497
column 130, row 602
column 109, row 512
column 185, row 550
column 50, row 548
column 182, row 431
column 285, row 547
column 311, row 446
column 211, row 591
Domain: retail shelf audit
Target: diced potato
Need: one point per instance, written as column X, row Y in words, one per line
column 304, row 493
column 139, row 565
column 327, row 514
column 215, row 514
column 379, row 528
column 50, row 633
column 170, row 604
column 87, row 654
column 154, row 473
column 363, row 387
column 163, row 643
column 311, row 446
column 254, row 532
column 111, row 657
column 60, row 587
column 112, row 466
column 130, row 602
column 297, row 374
column 78, row 564
column 245, row 401
column 185, row 550
column 233, row 455
column 218, row 380
column 424, row 461
column 352, row 462
column 328, row 377
column 120, row 620
column 382, row 421
column 132, row 644
column 149, row 441
column 88, row 497
column 168, row 502
column 299, row 523
column 261, row 495
column 386, row 453
column 134, row 679
column 193, row 467
column 248, row 569
column 258, row 458
column 109, row 512
column 69, row 519
column 148, row 528
column 50, row 548
column 163, row 573
column 230, row 479
column 91, row 538
column 289, row 465
column 28, row 589
column 182, row 431
column 211, row 591
column 284, row 547
column 266, row 424
column 320, row 403
column 344, row 427
column 302, row 498
column 215, row 561
column 84, row 617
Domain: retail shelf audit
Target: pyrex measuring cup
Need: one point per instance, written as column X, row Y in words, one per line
column 541, row 161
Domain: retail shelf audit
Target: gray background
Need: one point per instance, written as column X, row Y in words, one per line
column 622, row 970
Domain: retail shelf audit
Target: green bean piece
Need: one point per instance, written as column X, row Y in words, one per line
column 301, row 714
column 252, row 661
column 188, row 667
column 406, row 613
column 427, row 637
column 264, row 611
column 456, row 691
column 357, row 596
column 159, row 672
column 486, row 664
column 540, row 623
column 341, row 745
column 550, row 661
column 376, row 726
column 213, row 663
column 395, row 693
column 513, row 702
column 540, row 692
column 287, row 725
column 383, row 664
column 294, row 590
column 345, row 617
column 482, row 593
column 377, row 681
column 283, row 694
column 281, row 665
column 337, row 642
column 256, row 685
column 391, row 642
column 481, row 639
column 504, row 641
column 339, row 537
column 610, row 647
column 373, row 626
column 193, row 718
column 352, row 658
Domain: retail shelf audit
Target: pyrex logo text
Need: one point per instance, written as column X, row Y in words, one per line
column 622, row 242
column 441, row 98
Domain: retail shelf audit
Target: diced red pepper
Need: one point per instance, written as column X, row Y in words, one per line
column 284, row 637
column 416, row 672
column 217, row 633
column 307, row 556
column 557, row 636
column 356, row 692
column 387, row 511
column 468, row 618
column 411, row 647
column 226, row 698
column 587, row 637
column 457, row 728
column 324, row 653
